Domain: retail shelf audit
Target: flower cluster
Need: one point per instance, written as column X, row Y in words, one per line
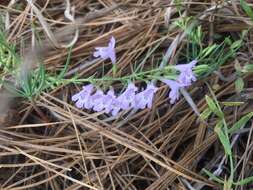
column 185, row 78
column 91, row 98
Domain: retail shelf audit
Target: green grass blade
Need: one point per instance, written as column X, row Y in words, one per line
column 213, row 177
column 61, row 75
column 247, row 9
column 245, row 181
column 223, row 138
column 213, row 107
column 239, row 124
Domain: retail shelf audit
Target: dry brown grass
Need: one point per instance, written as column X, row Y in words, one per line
column 50, row 144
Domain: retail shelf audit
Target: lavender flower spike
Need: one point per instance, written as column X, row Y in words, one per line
column 145, row 98
column 174, row 86
column 96, row 99
column 107, row 52
column 186, row 75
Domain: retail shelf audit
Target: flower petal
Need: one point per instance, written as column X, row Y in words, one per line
column 107, row 52
column 174, row 92
column 112, row 42
column 183, row 67
column 75, row 97
column 112, row 56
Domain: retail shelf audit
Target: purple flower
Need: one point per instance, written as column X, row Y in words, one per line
column 107, row 52
column 109, row 100
column 127, row 98
column 186, row 75
column 145, row 98
column 97, row 100
column 174, row 86
column 110, row 103
column 116, row 106
column 82, row 98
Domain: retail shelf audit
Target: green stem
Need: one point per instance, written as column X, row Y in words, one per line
column 125, row 78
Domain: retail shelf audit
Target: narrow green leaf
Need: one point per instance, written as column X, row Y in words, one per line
column 61, row 75
column 239, row 85
column 247, row 68
column 239, row 124
column 247, row 9
column 223, row 138
column 232, row 103
column 205, row 114
column 245, row 181
column 228, row 41
column 236, row 44
column 213, row 107
column 208, row 50
column 213, row 177
column 41, row 78
column 12, row 89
